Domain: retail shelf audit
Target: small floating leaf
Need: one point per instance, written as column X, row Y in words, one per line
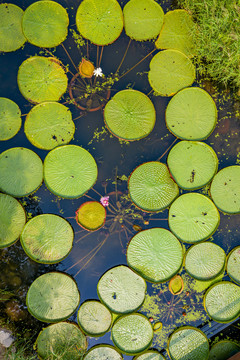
column 86, row 68
column 10, row 116
column 91, row 215
column 157, row 327
column 100, row 352
column 233, row 264
column 176, row 285
column 223, row 350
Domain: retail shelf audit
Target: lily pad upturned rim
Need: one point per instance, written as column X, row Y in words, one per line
column 15, row 118
column 102, row 346
column 237, row 281
column 85, row 227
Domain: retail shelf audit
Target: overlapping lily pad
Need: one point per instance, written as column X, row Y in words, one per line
column 12, row 220
column 10, row 116
column 21, row 171
column 91, row 215
column 143, row 19
column 225, row 189
column 170, row 71
column 222, row 301
column 11, row 34
column 151, row 187
column 176, row 32
column 150, row 355
column 100, row 352
column 42, row 79
column 130, row 115
column 192, row 164
column 45, row 23
column 233, row 264
column 205, row 261
column 191, row 114
column 193, row 217
column 155, row 254
column 188, row 343
column 69, row 171
column 48, row 125
column 223, row 350
column 99, row 21
column 63, row 341
column 48, row 296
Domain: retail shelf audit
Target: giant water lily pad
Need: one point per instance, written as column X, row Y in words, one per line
column 69, row 171
column 191, row 114
column 233, row 264
column 151, row 187
column 11, row 34
column 132, row 334
column 130, row 115
column 121, row 289
column 176, row 32
column 53, row 297
column 170, row 71
column 192, row 164
column 205, row 261
column 21, row 171
column 99, row 21
column 222, row 301
column 45, row 23
column 47, row 238
column 48, row 125
column 150, row 355
column 223, row 350
column 155, row 254
column 63, row 341
column 91, row 215
column 103, row 352
column 193, row 217
column 12, row 220
column 42, row 79
column 143, row 19
column 225, row 189
column 10, row 118
column 188, row 343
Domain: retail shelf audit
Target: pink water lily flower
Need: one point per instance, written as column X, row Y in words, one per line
column 104, row 201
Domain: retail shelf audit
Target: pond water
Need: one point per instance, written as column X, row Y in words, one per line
column 116, row 160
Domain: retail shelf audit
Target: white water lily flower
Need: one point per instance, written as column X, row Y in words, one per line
column 98, row 72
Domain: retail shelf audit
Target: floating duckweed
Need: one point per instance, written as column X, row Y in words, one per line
column 91, row 215
column 100, row 352
column 233, row 264
column 10, row 116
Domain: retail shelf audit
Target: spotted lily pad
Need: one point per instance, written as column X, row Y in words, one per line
column 103, row 352
column 91, row 215
column 233, row 264
column 10, row 118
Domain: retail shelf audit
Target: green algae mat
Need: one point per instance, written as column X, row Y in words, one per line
column 12, row 220
column 91, row 215
column 10, row 116
column 100, row 352
column 155, row 254
column 233, row 264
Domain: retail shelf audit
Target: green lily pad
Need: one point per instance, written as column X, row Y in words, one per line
column 69, row 171
column 47, row 238
column 223, row 350
column 63, row 341
column 91, row 215
column 222, row 301
column 150, row 355
column 191, row 114
column 48, row 125
column 155, row 254
column 233, row 264
column 103, row 352
column 192, row 164
column 53, row 297
column 193, row 217
column 45, row 23
column 42, row 79
column 12, row 220
column 205, row 261
column 170, row 71
column 143, row 19
column 11, row 34
column 188, row 343
column 21, row 171
column 99, row 21
column 176, row 32
column 121, row 289
column 225, row 189
column 130, row 115
column 132, row 334
column 10, row 116
column 151, row 187
column 94, row 318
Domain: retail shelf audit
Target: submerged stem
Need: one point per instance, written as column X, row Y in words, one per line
column 167, row 149
column 123, row 56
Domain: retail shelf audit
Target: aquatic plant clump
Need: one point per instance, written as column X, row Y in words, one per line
column 91, row 215
column 233, row 264
column 191, row 114
column 151, row 187
column 223, row 350
column 143, row 19
column 155, row 254
column 45, row 23
column 48, row 295
column 99, row 21
column 21, row 171
column 150, row 355
column 62, row 340
column 12, row 220
column 170, row 71
column 10, row 116
column 188, row 343
column 11, row 34
column 100, row 352
column 130, row 115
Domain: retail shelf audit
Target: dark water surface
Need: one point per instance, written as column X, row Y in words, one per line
column 116, row 160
